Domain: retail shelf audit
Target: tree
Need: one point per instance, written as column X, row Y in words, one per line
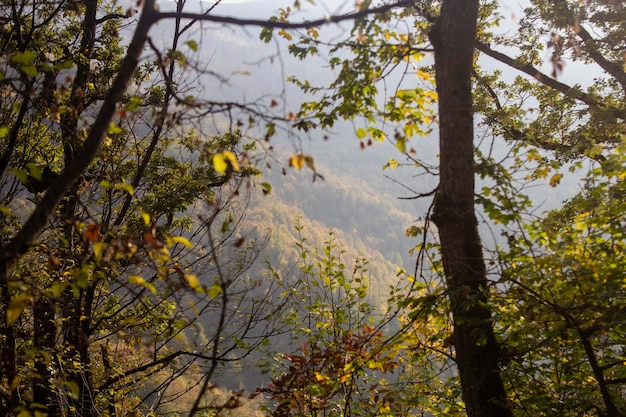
column 114, row 249
column 347, row 361
column 548, row 126
column 476, row 348
column 452, row 37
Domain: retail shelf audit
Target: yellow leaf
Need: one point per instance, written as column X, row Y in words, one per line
column 126, row 187
column 555, row 180
column 431, row 95
column 146, row 218
column 136, row 279
column 182, row 240
column 320, row 377
column 219, row 163
column 194, row 282
column 423, row 75
column 297, row 161
column 232, row 159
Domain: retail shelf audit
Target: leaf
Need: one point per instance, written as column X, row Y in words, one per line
column 92, row 233
column 193, row 45
column 125, row 187
column 361, row 133
column 21, row 175
column 134, row 103
column 215, row 291
column 219, row 164
column 309, row 162
column 26, row 57
column 73, row 387
column 555, row 180
column 98, row 249
column 17, row 306
column 401, row 144
column 57, row 288
column 136, row 279
column 296, row 161
column 106, row 184
column 182, row 240
column 267, row 188
column 232, row 159
column 146, row 218
column 29, row 70
column 194, row 282
column 285, row 34
column 4, row 131
column 115, row 129
column 34, row 170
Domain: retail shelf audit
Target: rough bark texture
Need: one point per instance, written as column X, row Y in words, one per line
column 477, row 353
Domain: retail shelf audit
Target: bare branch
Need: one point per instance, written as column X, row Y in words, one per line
column 275, row 24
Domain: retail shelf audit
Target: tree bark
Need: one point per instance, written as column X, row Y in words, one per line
column 477, row 352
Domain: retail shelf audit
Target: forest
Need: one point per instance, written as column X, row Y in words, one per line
column 313, row 208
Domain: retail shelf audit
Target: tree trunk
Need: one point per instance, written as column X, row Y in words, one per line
column 477, row 353
column 44, row 340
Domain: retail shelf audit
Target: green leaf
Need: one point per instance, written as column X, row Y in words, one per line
column 401, row 144
column 266, row 33
column 134, row 103
column 34, row 170
column 29, row 70
column 106, row 184
column 24, row 58
column 361, row 133
column 4, row 131
column 267, row 187
column 73, row 387
column 193, row 45
column 17, row 306
column 21, row 175
column 115, row 129
column 57, row 288
column 98, row 249
column 215, row 291
column 66, row 65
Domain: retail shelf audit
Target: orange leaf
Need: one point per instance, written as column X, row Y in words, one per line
column 92, row 233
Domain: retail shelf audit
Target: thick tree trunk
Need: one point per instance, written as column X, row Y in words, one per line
column 477, row 352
